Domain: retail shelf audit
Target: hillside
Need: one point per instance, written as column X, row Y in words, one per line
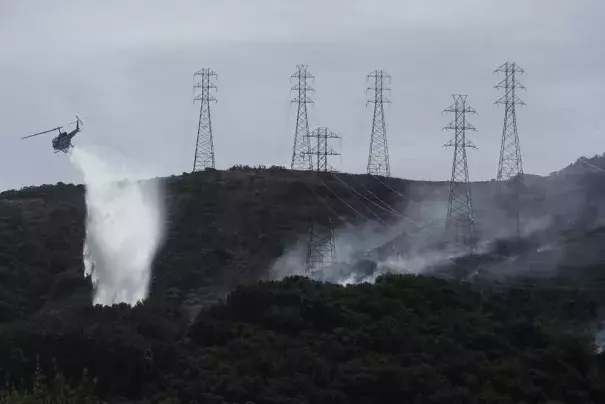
column 223, row 228
column 295, row 341
column 583, row 165
column 363, row 343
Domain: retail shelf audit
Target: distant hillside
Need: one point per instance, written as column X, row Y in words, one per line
column 583, row 165
column 227, row 229
column 223, row 228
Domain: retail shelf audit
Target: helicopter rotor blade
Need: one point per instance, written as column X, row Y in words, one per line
column 42, row 133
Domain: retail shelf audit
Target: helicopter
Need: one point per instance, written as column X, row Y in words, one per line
column 63, row 141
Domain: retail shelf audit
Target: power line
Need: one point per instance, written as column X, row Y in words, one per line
column 388, row 209
column 353, row 192
column 358, row 213
column 321, row 251
column 322, row 150
column 301, row 159
column 378, row 159
column 322, row 200
column 509, row 284
column 460, row 223
column 393, row 189
column 344, row 202
column 204, row 146
column 393, row 210
column 510, row 164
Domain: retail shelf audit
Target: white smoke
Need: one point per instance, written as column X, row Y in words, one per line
column 416, row 263
column 352, row 245
column 124, row 226
column 599, row 341
column 292, row 262
column 422, row 256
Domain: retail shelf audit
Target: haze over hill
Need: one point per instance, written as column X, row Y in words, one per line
column 254, row 218
column 236, row 227
column 145, row 287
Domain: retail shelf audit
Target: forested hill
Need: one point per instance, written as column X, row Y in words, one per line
column 404, row 339
column 223, row 228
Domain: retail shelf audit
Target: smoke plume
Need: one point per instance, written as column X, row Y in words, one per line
column 124, row 226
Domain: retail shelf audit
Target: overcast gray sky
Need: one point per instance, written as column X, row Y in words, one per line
column 128, row 64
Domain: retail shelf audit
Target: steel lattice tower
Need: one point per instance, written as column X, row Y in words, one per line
column 378, row 159
column 204, row 146
column 460, row 223
column 322, row 150
column 301, row 159
column 321, row 251
column 510, row 164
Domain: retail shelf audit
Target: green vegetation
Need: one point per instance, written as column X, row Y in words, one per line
column 404, row 339
column 211, row 332
column 56, row 391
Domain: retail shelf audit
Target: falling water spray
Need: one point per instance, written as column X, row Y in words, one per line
column 124, row 226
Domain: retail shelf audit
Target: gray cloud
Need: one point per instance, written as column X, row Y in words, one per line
column 129, row 66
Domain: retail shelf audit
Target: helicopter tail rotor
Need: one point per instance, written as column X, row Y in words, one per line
column 78, row 121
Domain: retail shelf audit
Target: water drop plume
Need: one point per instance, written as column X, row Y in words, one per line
column 124, row 226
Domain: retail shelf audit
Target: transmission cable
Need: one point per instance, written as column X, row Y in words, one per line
column 375, row 196
column 321, row 199
column 345, row 202
column 389, row 209
column 353, row 191
column 392, row 189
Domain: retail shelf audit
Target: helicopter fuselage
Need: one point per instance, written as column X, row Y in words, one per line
column 63, row 141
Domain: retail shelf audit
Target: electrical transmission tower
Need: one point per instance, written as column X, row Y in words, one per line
column 378, row 160
column 510, row 165
column 301, row 159
column 204, row 147
column 460, row 223
column 321, row 251
column 321, row 151
column 320, row 248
